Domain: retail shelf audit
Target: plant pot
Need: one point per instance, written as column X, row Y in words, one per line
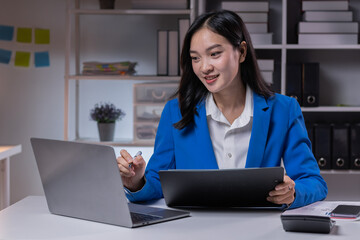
column 106, row 131
column 107, row 4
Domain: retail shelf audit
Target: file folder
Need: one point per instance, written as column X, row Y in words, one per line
column 310, row 84
column 355, row 146
column 322, row 144
column 310, row 131
column 162, row 52
column 340, row 146
column 293, row 81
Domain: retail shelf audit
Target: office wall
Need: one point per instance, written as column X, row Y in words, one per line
column 31, row 99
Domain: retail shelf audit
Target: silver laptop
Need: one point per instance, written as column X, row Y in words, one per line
column 83, row 181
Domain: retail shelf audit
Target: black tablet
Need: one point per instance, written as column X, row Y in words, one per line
column 248, row 187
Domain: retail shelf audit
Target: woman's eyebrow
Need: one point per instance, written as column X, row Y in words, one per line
column 208, row 49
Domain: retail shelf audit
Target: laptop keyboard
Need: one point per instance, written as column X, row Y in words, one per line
column 139, row 217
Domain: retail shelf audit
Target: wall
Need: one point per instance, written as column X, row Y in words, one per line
column 31, row 99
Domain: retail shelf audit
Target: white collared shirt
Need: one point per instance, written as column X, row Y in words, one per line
column 230, row 141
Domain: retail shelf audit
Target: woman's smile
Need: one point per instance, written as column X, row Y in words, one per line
column 211, row 78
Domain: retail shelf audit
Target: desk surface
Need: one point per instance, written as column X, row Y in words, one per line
column 31, row 219
column 8, row 151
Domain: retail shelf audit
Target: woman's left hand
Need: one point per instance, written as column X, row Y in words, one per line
column 284, row 193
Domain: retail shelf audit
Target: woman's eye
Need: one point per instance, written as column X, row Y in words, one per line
column 194, row 59
column 215, row 54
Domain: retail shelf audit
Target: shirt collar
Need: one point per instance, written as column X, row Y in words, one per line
column 214, row 112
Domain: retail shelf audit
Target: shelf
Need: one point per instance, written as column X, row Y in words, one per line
column 339, row 172
column 270, row 46
column 130, row 11
column 324, row 46
column 116, row 142
column 149, row 104
column 126, row 77
column 330, row 109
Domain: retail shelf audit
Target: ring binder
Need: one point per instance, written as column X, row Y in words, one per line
column 322, row 144
column 340, row 146
column 355, row 146
column 310, row 84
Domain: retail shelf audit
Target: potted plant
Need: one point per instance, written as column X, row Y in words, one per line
column 106, row 114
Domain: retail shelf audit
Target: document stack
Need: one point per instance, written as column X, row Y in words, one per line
column 267, row 70
column 159, row 4
column 169, row 45
column 256, row 18
column 327, row 22
column 109, row 68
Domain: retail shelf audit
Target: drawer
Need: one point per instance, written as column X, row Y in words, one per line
column 145, row 113
column 154, row 92
column 145, row 132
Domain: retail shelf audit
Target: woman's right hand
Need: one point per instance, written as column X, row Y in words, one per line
column 132, row 177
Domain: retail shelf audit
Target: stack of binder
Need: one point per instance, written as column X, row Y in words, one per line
column 335, row 145
column 327, row 22
column 169, row 46
column 267, row 70
column 255, row 16
column 160, row 4
column 302, row 83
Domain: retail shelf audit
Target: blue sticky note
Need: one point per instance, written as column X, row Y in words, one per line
column 5, row 56
column 42, row 59
column 6, row 33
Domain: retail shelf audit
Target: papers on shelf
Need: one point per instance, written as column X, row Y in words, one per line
column 110, row 68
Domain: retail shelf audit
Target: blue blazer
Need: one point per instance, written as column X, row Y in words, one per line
column 278, row 132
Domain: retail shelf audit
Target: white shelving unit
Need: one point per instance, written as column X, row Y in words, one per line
column 341, row 61
column 73, row 77
column 339, row 66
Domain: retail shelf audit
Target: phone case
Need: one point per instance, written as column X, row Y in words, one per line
column 346, row 211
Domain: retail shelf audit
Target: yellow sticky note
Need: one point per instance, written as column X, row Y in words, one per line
column 22, row 59
column 24, row 35
column 42, row 36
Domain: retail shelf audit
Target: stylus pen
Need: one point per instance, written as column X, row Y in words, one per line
column 137, row 154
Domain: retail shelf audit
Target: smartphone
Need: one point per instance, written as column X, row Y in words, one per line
column 346, row 211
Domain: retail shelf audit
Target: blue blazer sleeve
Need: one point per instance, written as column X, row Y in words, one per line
column 299, row 161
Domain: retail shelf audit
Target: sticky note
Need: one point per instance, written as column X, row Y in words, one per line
column 42, row 59
column 5, row 56
column 42, row 36
column 6, row 33
column 24, row 35
column 22, row 59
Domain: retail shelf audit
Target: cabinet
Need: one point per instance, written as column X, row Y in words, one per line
column 339, row 83
column 149, row 101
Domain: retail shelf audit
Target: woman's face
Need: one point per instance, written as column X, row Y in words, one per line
column 215, row 61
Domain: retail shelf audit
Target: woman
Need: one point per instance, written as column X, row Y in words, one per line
column 225, row 116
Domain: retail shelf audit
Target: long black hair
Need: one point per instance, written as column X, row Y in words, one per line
column 191, row 90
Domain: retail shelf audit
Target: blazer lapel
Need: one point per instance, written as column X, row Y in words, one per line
column 259, row 132
column 205, row 152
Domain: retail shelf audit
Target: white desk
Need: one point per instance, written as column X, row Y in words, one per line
column 5, row 153
column 30, row 219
